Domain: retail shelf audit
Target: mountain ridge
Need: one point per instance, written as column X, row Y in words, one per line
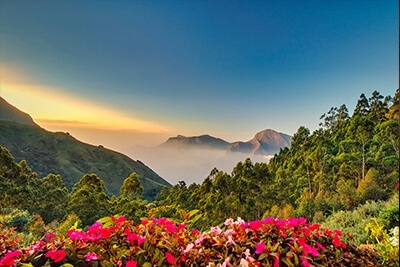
column 266, row 142
column 12, row 113
column 60, row 153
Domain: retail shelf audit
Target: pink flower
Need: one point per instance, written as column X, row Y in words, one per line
column 336, row 241
column 56, row 256
column 216, row 230
column 260, row 248
column 320, row 246
column 170, row 258
column 244, row 263
column 141, row 240
column 226, row 262
column 305, row 262
column 91, row 256
column 276, row 264
column 228, row 221
column 9, row 258
column 188, row 248
column 49, row 236
column 230, row 240
column 131, row 264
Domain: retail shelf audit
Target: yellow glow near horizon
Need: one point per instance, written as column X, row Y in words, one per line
column 48, row 106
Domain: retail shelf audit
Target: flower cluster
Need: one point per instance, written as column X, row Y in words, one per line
column 162, row 242
column 394, row 240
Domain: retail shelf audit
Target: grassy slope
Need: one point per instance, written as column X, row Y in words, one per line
column 59, row 153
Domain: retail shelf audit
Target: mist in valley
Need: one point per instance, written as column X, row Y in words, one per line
column 191, row 165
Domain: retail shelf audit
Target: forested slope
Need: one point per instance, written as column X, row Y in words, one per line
column 351, row 159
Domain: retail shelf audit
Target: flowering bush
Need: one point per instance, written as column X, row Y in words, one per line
column 386, row 246
column 161, row 242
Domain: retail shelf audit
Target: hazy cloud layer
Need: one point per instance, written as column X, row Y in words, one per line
column 189, row 165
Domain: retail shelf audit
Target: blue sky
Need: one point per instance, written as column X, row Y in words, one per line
column 225, row 68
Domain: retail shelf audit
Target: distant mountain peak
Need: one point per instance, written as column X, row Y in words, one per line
column 11, row 113
column 266, row 142
column 201, row 141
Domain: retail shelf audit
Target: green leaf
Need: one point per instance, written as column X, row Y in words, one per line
column 263, row 256
column 30, row 265
column 288, row 262
column 183, row 214
column 67, row 265
column 195, row 219
column 144, row 219
column 147, row 264
column 104, row 220
column 140, row 251
column 193, row 212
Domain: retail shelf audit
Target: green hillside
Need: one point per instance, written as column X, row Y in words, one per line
column 60, row 153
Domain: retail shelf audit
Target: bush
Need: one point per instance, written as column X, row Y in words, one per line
column 387, row 247
column 355, row 221
column 12, row 217
column 271, row 242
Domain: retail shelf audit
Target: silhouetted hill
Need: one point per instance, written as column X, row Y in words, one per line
column 11, row 113
column 60, row 153
column 203, row 141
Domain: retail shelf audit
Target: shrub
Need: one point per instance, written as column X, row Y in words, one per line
column 387, row 247
column 355, row 221
column 271, row 242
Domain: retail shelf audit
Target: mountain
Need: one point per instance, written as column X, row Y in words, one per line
column 203, row 141
column 60, row 153
column 267, row 142
column 11, row 113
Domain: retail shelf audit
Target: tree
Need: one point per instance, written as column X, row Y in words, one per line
column 52, row 198
column 89, row 200
column 362, row 107
column 361, row 128
column 378, row 108
column 131, row 188
column 163, row 194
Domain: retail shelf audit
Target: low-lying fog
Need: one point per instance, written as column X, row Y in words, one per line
column 189, row 165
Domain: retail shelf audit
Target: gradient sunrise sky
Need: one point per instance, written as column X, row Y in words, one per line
column 140, row 71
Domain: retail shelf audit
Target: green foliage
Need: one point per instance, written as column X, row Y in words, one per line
column 89, row 200
column 11, row 217
column 60, row 153
column 71, row 221
column 131, row 188
column 355, row 221
column 386, row 246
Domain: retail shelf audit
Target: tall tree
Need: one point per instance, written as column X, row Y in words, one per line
column 89, row 200
column 131, row 188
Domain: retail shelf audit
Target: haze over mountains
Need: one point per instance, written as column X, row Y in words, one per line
column 191, row 159
column 267, row 143
column 180, row 158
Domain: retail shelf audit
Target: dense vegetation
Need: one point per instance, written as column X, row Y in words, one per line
column 348, row 161
column 340, row 176
column 60, row 153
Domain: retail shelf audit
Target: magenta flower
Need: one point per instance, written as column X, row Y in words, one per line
column 9, row 258
column 56, row 256
column 131, row 264
column 260, row 248
column 170, row 258
column 91, row 256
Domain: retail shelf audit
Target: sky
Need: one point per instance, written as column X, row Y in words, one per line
column 127, row 73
